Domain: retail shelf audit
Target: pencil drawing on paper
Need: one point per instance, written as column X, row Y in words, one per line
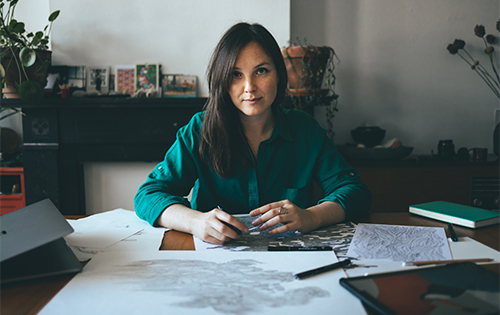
column 399, row 243
column 338, row 236
column 234, row 287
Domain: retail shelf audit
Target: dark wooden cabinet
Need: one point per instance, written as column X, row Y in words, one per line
column 61, row 134
column 398, row 184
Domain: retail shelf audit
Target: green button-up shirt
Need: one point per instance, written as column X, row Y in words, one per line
column 297, row 154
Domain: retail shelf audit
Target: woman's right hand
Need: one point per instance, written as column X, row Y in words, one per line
column 210, row 228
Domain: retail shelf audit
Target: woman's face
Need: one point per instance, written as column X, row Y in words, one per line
column 254, row 81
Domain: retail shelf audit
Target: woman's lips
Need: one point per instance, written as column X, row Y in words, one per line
column 253, row 100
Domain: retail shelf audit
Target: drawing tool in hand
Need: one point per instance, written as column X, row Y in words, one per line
column 440, row 262
column 230, row 225
column 298, row 248
column 320, row 270
column 453, row 235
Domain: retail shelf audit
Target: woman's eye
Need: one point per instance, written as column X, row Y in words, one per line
column 236, row 74
column 262, row 70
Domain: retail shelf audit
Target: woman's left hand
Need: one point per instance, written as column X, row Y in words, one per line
column 285, row 212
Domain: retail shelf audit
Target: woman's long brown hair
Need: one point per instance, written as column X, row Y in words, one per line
column 222, row 141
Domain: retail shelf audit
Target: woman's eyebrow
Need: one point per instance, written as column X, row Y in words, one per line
column 257, row 66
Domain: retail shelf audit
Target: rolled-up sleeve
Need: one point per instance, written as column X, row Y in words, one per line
column 341, row 183
column 170, row 179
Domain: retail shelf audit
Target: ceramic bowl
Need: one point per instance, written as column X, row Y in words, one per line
column 368, row 136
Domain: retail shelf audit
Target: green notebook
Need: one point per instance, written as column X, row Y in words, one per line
column 455, row 213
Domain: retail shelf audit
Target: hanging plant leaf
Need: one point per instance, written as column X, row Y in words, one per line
column 53, row 16
column 38, row 37
column 27, row 56
column 30, row 91
column 2, row 73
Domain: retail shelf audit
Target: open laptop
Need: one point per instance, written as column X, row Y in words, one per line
column 32, row 243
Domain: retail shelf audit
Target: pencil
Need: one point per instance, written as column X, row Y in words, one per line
column 453, row 235
column 320, row 270
column 440, row 262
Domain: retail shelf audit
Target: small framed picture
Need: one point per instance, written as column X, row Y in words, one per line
column 77, row 77
column 179, row 85
column 98, row 79
column 125, row 79
column 147, row 76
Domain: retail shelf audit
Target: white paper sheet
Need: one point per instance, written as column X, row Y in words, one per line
column 115, row 230
column 466, row 248
column 399, row 243
column 194, row 282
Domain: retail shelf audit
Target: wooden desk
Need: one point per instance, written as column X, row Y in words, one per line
column 30, row 297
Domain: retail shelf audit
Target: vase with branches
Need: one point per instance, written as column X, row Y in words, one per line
column 458, row 48
column 491, row 80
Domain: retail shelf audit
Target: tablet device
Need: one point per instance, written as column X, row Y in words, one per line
column 458, row 288
column 32, row 244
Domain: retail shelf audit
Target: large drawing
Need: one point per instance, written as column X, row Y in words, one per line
column 194, row 282
column 399, row 243
column 338, row 236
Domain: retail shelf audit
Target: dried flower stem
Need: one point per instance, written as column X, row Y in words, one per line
column 483, row 73
column 491, row 60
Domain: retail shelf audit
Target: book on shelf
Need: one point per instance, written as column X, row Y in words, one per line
column 455, row 213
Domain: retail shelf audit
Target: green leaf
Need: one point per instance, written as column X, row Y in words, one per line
column 53, row 16
column 18, row 28
column 30, row 91
column 38, row 37
column 30, row 34
column 2, row 73
column 27, row 56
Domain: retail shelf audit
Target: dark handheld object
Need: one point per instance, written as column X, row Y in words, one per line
column 453, row 235
column 229, row 225
column 232, row 227
column 317, row 271
column 298, row 248
column 369, row 136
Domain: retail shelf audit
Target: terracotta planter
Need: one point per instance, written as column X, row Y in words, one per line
column 12, row 73
column 306, row 67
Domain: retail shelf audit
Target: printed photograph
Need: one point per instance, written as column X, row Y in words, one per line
column 179, row 85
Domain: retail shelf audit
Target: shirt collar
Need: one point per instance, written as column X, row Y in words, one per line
column 281, row 127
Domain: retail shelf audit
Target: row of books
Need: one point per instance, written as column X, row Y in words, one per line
column 126, row 79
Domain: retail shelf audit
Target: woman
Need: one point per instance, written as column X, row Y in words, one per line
column 246, row 154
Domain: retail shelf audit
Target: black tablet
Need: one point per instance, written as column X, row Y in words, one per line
column 459, row 288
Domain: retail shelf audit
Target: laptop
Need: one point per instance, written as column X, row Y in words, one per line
column 32, row 244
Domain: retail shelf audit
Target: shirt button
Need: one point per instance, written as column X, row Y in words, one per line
column 351, row 173
column 160, row 167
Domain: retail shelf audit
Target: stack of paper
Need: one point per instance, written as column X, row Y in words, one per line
column 116, row 230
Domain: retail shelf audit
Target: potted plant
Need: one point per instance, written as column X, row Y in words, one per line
column 311, row 80
column 24, row 55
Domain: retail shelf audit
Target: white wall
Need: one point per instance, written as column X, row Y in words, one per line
column 395, row 71
column 178, row 34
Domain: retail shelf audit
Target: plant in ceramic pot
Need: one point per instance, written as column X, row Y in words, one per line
column 24, row 55
column 311, row 80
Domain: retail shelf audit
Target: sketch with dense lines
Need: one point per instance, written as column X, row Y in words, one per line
column 224, row 287
column 399, row 243
column 205, row 283
column 338, row 236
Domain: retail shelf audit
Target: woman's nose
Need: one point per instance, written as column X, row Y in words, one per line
column 249, row 86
